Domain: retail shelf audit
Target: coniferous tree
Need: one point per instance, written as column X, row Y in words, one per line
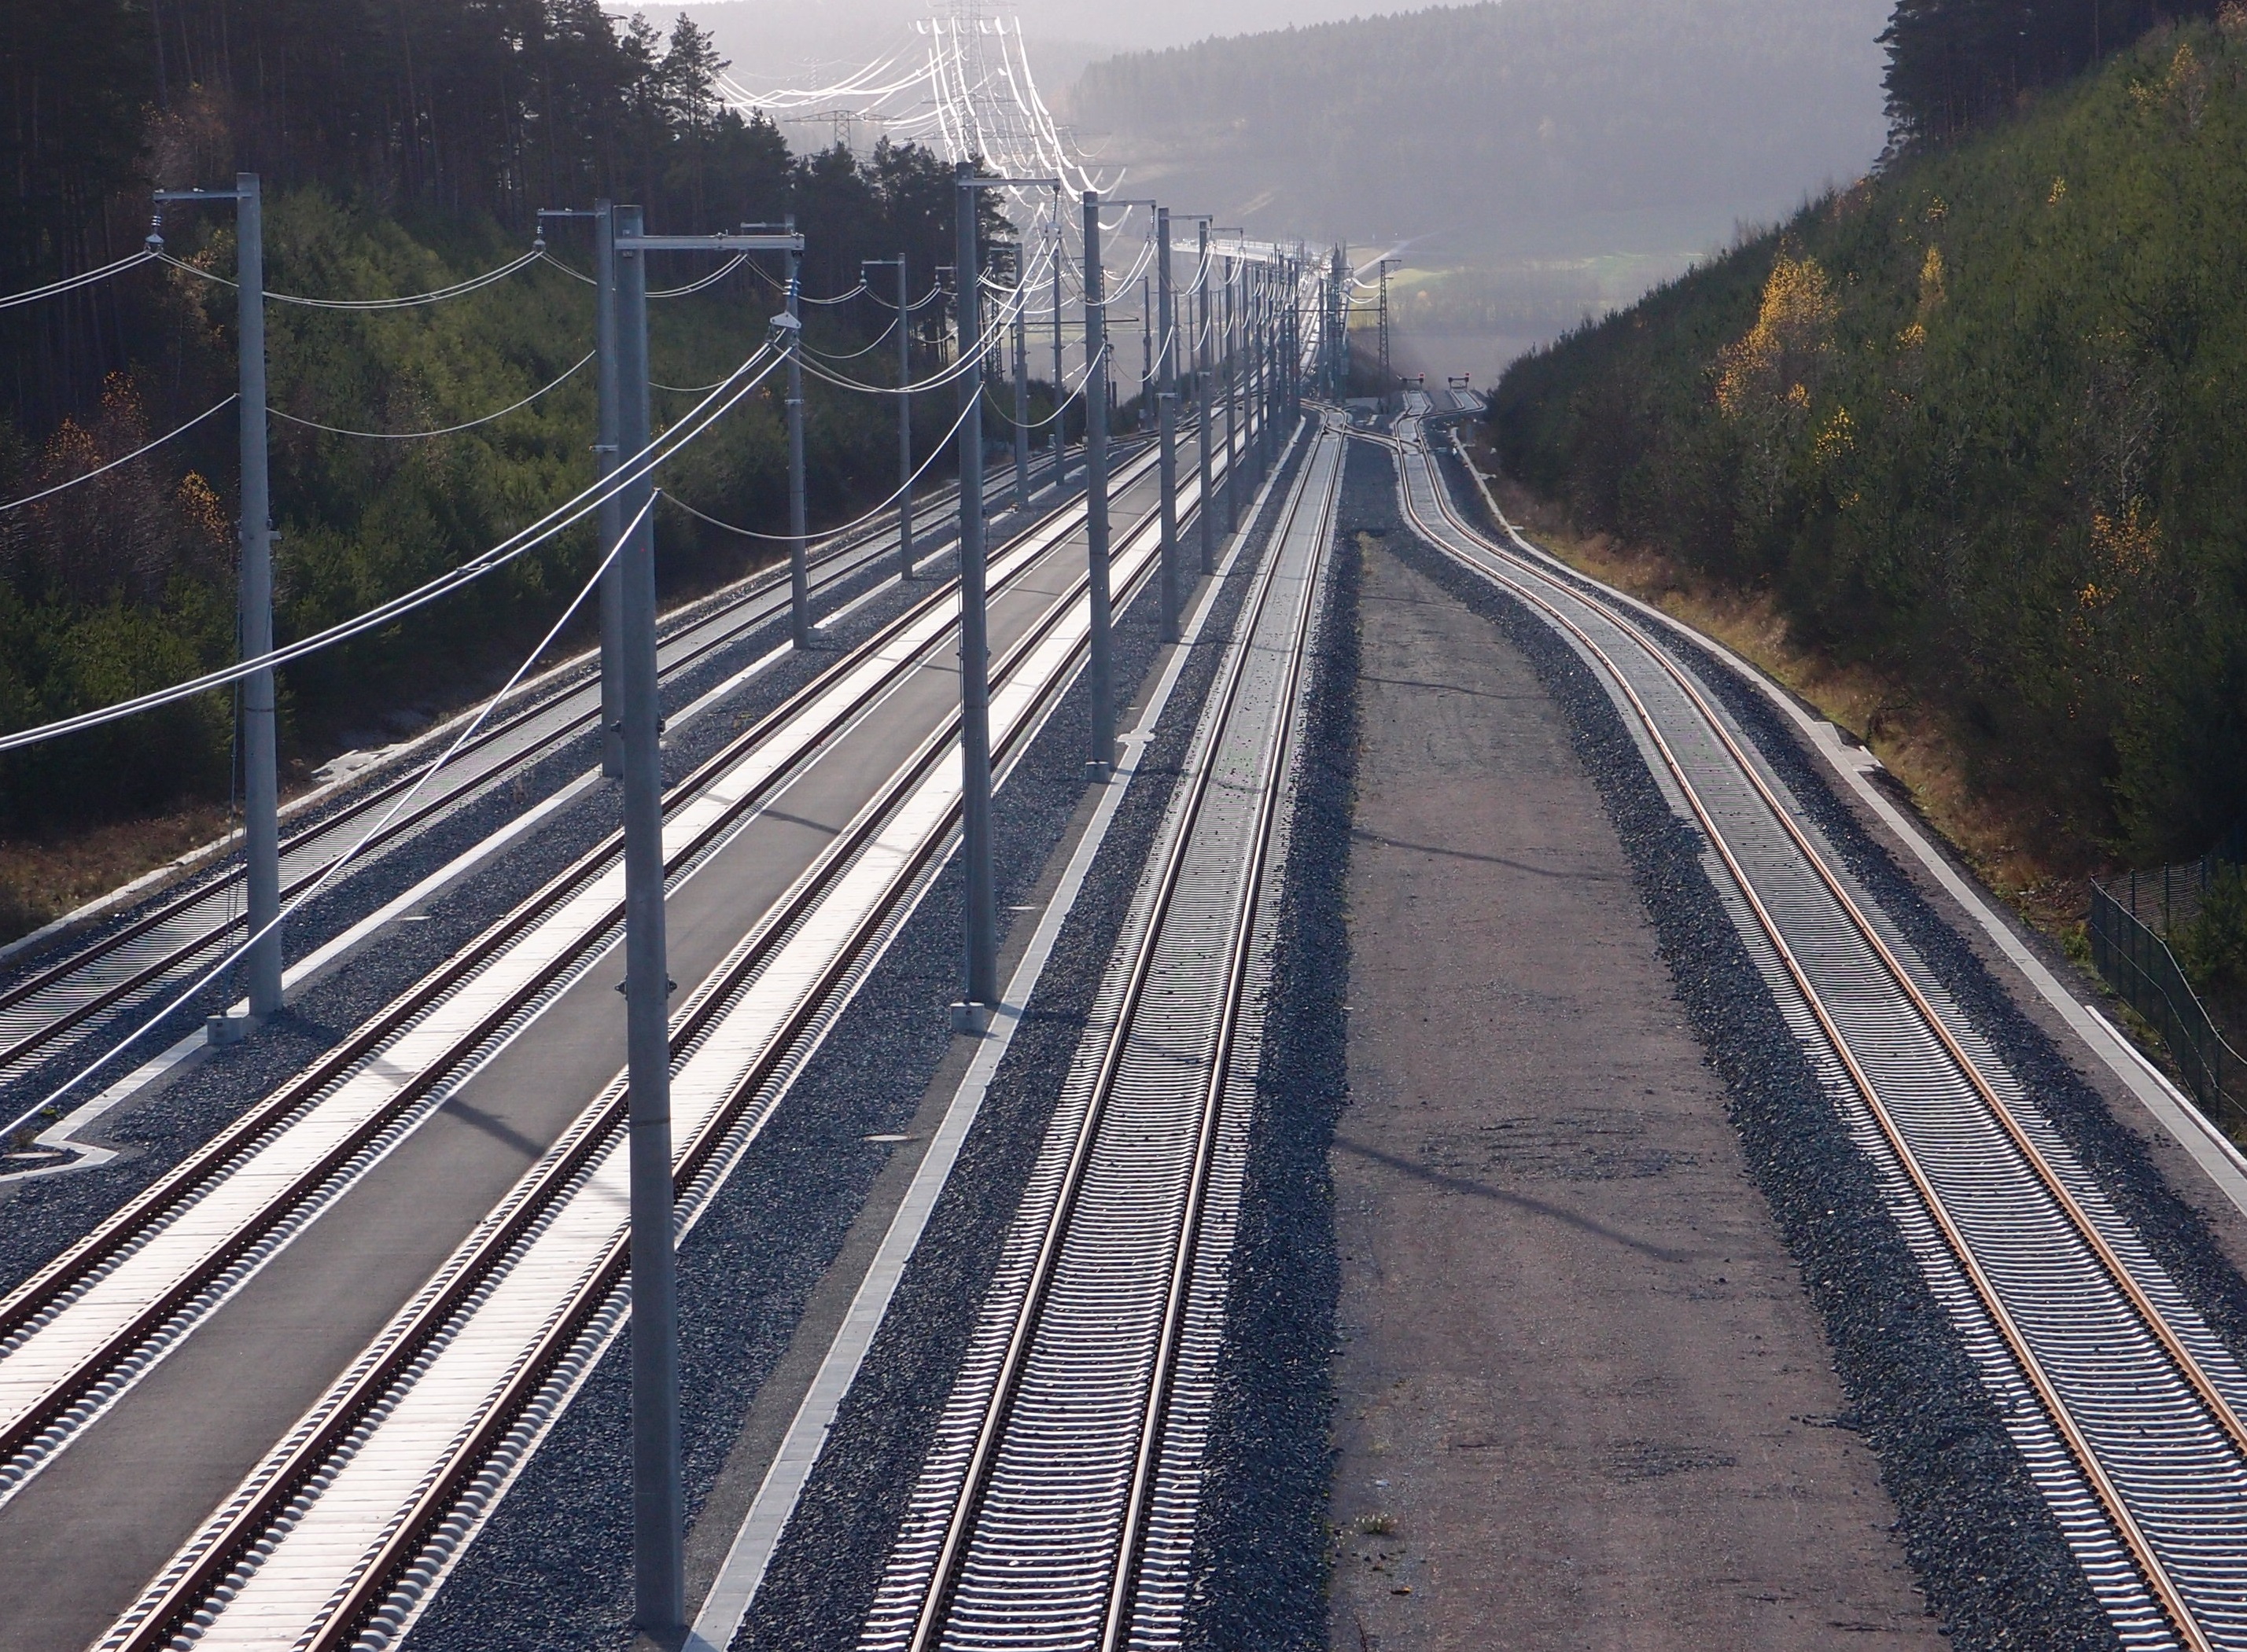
column 1954, row 65
column 402, row 144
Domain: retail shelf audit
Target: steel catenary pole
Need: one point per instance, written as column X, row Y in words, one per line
column 1100, row 667
column 1166, row 425
column 799, row 576
column 659, row 1568
column 981, row 941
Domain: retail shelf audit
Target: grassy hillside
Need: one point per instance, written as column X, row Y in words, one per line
column 1974, row 426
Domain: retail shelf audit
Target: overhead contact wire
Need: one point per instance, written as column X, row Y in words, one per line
column 935, row 453
column 561, row 516
column 122, row 459
column 328, row 875
column 458, row 290
column 419, row 435
column 72, row 283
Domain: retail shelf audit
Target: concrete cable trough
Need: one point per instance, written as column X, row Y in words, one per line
column 341, row 1534
column 58, row 1014
column 75, row 1339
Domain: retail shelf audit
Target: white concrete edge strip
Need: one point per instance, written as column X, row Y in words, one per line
column 594, row 1345
column 471, row 1347
column 304, row 973
column 727, row 1604
column 63, row 1134
column 123, row 895
column 932, row 626
column 2192, row 1129
column 686, row 616
column 683, row 618
column 1138, row 552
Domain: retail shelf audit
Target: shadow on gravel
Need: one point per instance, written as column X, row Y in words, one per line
column 553, row 1569
column 2173, row 1228
column 1989, row 1555
column 1260, row 1549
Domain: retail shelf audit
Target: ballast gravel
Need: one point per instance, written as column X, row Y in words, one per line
column 1259, row 1576
column 825, row 1572
column 46, row 1216
column 553, row 1569
column 2173, row 1228
column 1990, row 1557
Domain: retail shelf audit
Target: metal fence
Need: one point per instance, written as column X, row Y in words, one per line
column 2164, row 898
column 2132, row 957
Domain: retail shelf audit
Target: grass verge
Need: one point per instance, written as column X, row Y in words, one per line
column 2011, row 847
column 42, row 879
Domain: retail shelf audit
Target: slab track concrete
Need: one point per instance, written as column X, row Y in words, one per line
column 80, row 1541
column 1584, row 1400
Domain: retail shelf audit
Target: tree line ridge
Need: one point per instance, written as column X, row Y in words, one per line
column 1973, row 423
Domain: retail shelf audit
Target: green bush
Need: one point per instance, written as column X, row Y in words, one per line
column 2212, row 947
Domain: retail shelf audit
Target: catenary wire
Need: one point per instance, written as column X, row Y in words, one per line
column 935, row 453
column 242, row 947
column 710, row 280
column 934, row 292
column 1059, row 408
column 525, row 539
column 458, row 290
column 72, row 283
column 853, row 355
column 959, row 368
column 61, row 487
column 418, row 435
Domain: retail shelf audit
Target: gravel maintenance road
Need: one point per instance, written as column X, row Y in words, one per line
column 1582, row 1399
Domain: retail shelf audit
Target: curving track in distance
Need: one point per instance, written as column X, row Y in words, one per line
column 58, row 1014
column 1055, row 1506
column 2125, row 1405
column 340, row 1532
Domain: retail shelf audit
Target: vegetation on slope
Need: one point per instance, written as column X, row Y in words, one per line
column 403, row 146
column 1974, row 425
column 1954, row 65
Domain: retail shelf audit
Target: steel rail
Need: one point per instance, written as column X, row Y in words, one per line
column 2220, row 1411
column 27, row 1308
column 184, row 1595
column 2168, row 1594
column 744, row 612
column 1140, row 1492
column 31, row 1304
column 952, row 1555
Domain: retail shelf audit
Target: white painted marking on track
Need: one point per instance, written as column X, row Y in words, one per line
column 314, row 1558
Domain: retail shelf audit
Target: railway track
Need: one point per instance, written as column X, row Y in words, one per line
column 75, row 1339
column 1056, row 1503
column 2125, row 1405
column 69, row 1005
